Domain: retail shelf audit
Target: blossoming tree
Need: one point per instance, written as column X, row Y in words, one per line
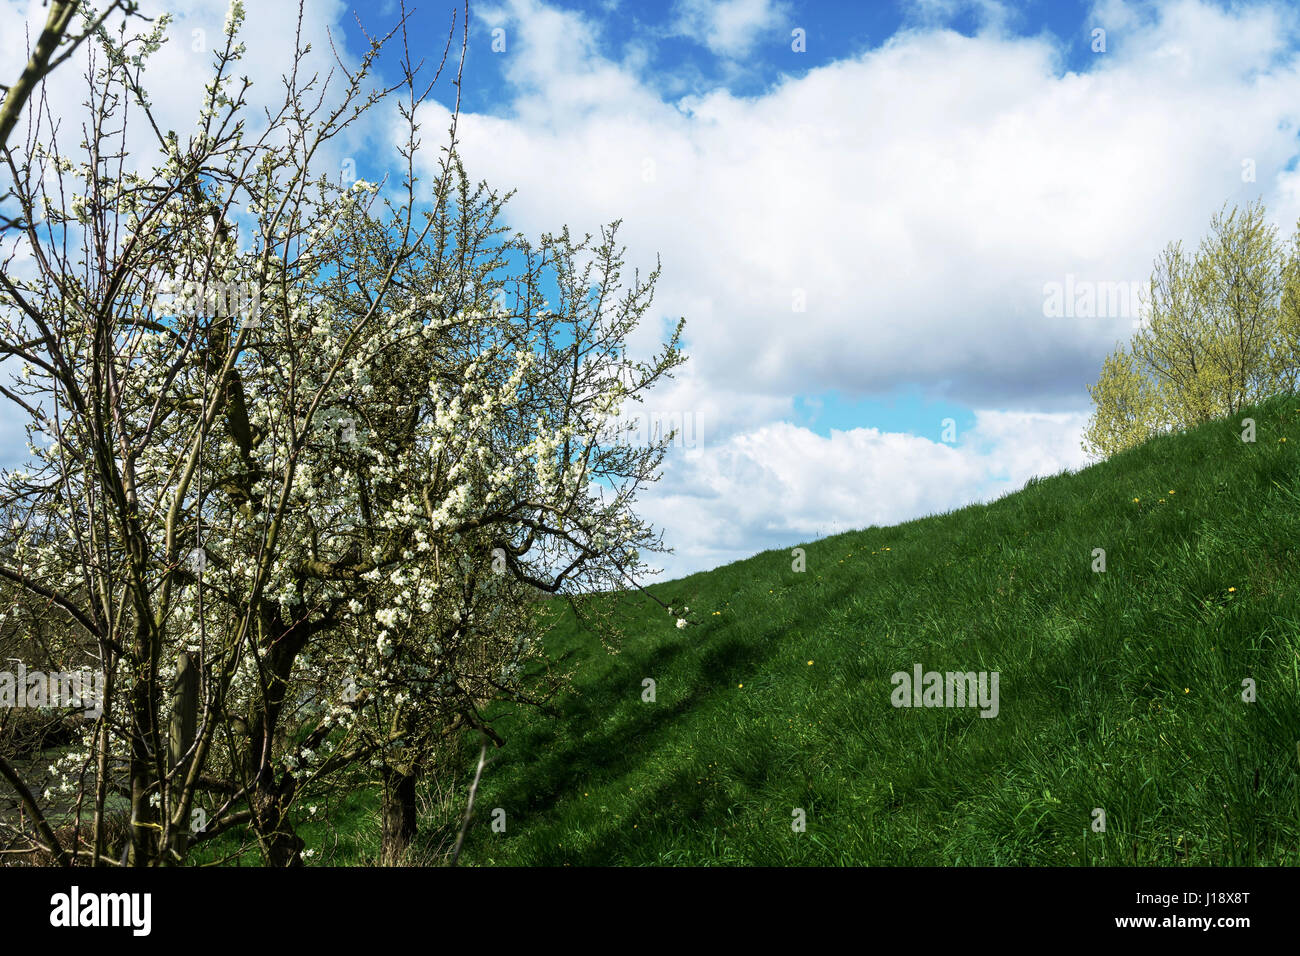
column 303, row 453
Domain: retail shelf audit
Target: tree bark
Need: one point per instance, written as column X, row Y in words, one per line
column 399, row 815
column 281, row 845
column 184, row 720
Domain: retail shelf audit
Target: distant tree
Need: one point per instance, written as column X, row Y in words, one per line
column 1222, row 333
column 1127, row 406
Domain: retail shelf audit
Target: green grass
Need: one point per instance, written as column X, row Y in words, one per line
column 1119, row 690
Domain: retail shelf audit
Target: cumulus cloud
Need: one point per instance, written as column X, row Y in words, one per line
column 889, row 219
column 779, row 484
column 913, row 199
column 882, row 221
column 728, row 28
column 988, row 13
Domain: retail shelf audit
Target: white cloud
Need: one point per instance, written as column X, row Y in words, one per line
column 727, row 27
column 919, row 196
column 778, row 485
column 989, row 13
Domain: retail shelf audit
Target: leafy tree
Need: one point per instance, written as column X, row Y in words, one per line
column 1127, row 403
column 1221, row 334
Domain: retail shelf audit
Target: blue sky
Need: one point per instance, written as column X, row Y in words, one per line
column 860, row 235
column 669, row 39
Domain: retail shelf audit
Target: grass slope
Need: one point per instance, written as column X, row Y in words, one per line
column 1119, row 690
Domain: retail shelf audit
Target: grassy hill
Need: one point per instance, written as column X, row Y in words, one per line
column 1119, row 690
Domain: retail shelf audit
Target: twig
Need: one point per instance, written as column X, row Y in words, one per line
column 469, row 807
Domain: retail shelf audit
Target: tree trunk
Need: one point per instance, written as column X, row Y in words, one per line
column 183, row 723
column 143, row 847
column 281, row 846
column 399, row 815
